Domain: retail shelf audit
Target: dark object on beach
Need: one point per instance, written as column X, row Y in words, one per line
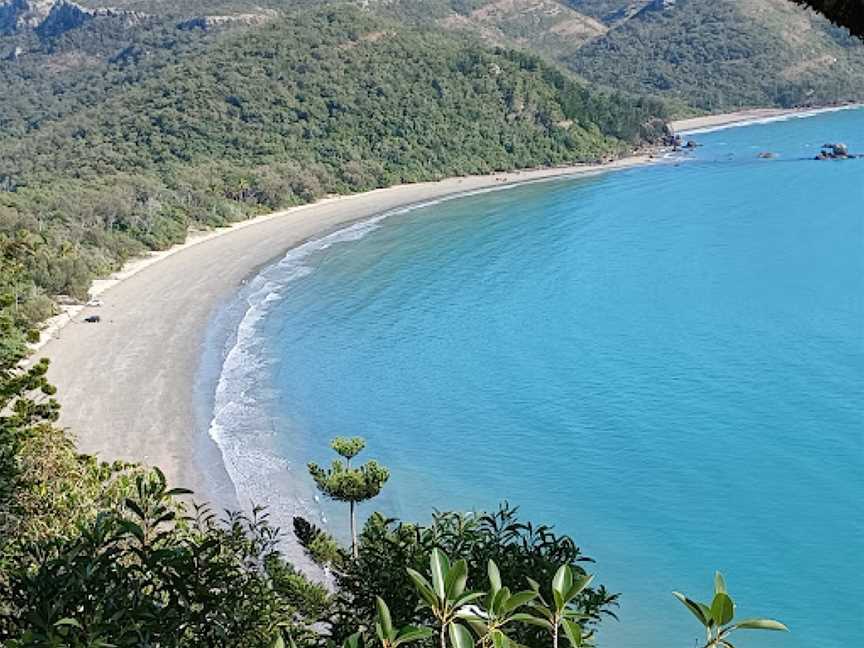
column 691, row 144
column 767, row 155
column 835, row 152
column 672, row 141
column 93, row 319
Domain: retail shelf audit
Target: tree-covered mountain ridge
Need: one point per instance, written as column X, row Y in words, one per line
column 198, row 128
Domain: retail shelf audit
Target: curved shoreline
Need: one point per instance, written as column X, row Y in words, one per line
column 128, row 385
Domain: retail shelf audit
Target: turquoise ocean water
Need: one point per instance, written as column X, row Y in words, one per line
column 667, row 363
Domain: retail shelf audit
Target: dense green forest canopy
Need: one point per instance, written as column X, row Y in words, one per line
column 118, row 135
column 723, row 55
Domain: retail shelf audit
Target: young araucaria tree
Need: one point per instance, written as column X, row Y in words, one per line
column 346, row 484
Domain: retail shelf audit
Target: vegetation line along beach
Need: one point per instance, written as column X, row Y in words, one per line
column 155, row 314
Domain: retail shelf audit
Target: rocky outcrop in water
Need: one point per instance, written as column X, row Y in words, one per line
column 835, row 152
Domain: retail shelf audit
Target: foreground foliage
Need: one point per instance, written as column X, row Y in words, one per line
column 108, row 555
column 717, row 618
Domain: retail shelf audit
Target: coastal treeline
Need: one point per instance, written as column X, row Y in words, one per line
column 185, row 129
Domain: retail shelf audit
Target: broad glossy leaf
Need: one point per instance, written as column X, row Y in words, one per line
column 500, row 640
column 465, row 599
column 278, row 642
column 693, row 606
column 719, row 584
column 423, row 588
column 354, row 641
column 579, row 584
column 460, row 637
column 519, row 599
column 457, row 578
column 384, row 619
column 494, row 576
column 761, row 624
column 573, row 631
column 563, row 580
column 440, row 565
column 68, row 622
column 530, row 619
column 410, row 633
column 558, row 599
column 722, row 609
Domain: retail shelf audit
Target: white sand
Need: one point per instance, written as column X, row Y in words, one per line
column 127, row 384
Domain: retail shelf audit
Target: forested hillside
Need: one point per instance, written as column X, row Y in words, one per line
column 124, row 122
column 708, row 56
column 123, row 132
column 726, row 54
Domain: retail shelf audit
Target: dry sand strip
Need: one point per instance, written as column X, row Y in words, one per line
column 741, row 117
column 127, row 383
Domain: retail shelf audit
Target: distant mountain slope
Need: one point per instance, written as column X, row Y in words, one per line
column 725, row 54
column 199, row 127
column 710, row 56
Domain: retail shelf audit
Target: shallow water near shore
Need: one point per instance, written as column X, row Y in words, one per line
column 666, row 363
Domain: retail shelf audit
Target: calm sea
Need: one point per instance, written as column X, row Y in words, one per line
column 666, row 363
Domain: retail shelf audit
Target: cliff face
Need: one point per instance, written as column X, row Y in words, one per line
column 51, row 17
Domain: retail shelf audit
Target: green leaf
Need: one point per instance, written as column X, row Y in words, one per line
column 722, row 609
column 518, row 600
column 354, row 641
column 719, row 584
column 573, row 632
column 530, row 619
column 68, row 622
column 457, row 578
column 761, row 624
column 440, row 566
column 410, row 634
column 494, row 576
column 466, row 598
column 423, row 588
column 563, row 580
column 384, row 619
column 497, row 602
column 693, row 606
column 460, row 637
column 579, row 584
column 278, row 641
column 500, row 640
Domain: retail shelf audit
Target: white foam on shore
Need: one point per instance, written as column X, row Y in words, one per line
column 770, row 119
column 240, row 425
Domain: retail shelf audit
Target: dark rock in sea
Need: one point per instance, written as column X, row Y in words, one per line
column 835, row 152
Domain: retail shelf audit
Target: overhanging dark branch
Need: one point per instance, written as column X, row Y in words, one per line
column 848, row 13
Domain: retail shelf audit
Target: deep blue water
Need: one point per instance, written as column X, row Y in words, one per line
column 667, row 363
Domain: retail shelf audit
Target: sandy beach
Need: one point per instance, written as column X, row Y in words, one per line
column 710, row 122
column 127, row 384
